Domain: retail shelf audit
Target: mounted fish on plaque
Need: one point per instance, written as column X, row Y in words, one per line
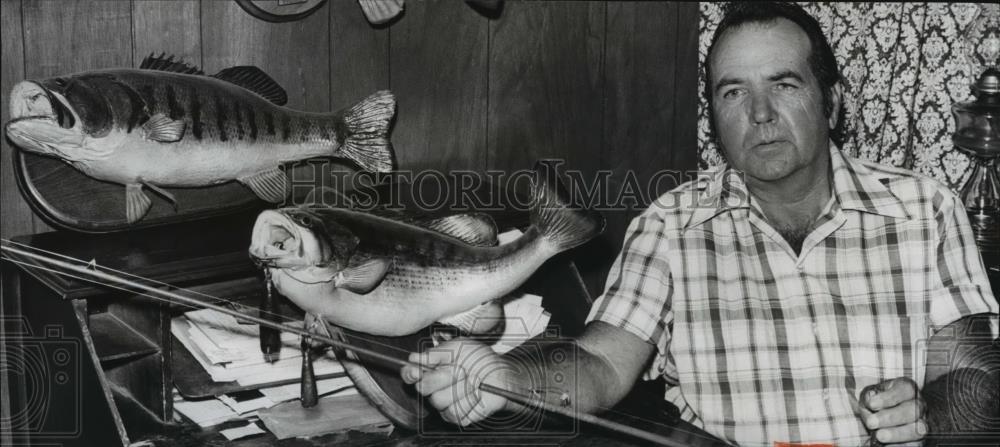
column 376, row 11
column 280, row 10
column 94, row 143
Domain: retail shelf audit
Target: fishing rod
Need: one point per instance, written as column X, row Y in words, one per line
column 93, row 275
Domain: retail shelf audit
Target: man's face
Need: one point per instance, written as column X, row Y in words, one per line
column 767, row 103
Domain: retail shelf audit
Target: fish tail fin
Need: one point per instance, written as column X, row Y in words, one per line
column 561, row 223
column 366, row 129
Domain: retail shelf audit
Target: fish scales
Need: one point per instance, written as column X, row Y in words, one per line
column 223, row 109
column 156, row 128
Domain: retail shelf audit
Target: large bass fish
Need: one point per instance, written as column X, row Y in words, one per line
column 167, row 124
column 385, row 276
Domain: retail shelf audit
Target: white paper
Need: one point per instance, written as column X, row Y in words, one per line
column 246, row 406
column 205, row 413
column 525, row 317
column 225, row 340
column 288, row 367
column 242, row 432
column 291, row 391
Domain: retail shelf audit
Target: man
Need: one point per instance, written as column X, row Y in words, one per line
column 788, row 297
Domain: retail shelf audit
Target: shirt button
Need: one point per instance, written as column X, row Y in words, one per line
column 816, row 329
column 826, row 394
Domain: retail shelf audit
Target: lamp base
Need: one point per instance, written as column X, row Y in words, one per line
column 986, row 228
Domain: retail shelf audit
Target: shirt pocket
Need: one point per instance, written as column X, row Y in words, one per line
column 880, row 337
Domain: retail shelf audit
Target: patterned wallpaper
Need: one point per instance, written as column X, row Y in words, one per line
column 904, row 65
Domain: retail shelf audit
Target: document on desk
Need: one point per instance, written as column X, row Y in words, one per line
column 205, row 413
column 223, row 338
column 251, row 429
column 336, row 386
column 225, row 341
column 331, row 414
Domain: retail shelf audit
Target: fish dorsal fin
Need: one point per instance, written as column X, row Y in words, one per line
column 255, row 80
column 476, row 229
column 327, row 196
column 270, row 185
column 363, row 276
column 161, row 128
column 163, row 63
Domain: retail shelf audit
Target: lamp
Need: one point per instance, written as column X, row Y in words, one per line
column 977, row 133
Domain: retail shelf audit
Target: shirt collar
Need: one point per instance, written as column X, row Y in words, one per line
column 858, row 188
column 855, row 187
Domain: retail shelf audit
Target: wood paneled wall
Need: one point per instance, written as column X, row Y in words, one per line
column 603, row 85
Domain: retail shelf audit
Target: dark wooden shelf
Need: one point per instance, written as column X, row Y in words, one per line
column 115, row 341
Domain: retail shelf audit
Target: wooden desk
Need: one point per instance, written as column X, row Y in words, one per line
column 98, row 363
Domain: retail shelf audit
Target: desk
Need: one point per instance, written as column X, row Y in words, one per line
column 100, row 371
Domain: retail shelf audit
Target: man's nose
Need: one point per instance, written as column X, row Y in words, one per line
column 761, row 109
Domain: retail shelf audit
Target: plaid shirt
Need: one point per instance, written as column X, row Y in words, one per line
column 759, row 345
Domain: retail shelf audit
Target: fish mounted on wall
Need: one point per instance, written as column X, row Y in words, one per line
column 167, row 124
column 381, row 11
column 280, row 10
column 384, row 275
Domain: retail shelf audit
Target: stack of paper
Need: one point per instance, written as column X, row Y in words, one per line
column 246, row 405
column 230, row 351
column 525, row 318
column 331, row 414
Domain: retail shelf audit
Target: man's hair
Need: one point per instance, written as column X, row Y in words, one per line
column 821, row 59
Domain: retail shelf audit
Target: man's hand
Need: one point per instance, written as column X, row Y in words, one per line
column 451, row 378
column 894, row 411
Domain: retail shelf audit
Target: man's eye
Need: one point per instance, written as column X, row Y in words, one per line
column 731, row 94
column 786, row 86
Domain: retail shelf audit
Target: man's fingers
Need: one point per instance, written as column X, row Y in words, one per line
column 914, row 431
column 477, row 413
column 429, row 359
column 410, row 374
column 462, row 410
column 446, row 397
column 888, row 394
column 440, row 378
column 900, row 415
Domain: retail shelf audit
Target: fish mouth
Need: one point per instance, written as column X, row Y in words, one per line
column 41, row 121
column 279, row 242
column 30, row 100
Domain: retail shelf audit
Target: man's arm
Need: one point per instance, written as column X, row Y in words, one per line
column 594, row 371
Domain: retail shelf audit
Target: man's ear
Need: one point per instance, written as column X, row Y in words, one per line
column 836, row 97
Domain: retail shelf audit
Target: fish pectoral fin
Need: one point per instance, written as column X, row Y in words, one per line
column 481, row 319
column 364, row 277
column 166, row 195
column 270, row 185
column 476, row 229
column 137, row 203
column 161, row 128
